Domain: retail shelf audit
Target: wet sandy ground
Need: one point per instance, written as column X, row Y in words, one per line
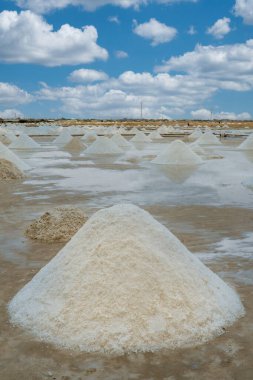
column 220, row 234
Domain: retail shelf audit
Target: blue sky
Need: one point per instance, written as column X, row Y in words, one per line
column 181, row 59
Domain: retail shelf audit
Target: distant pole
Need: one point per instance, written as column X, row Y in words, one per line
column 141, row 110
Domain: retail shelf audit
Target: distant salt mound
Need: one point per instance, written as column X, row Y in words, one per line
column 64, row 137
column 75, row 144
column 57, row 225
column 247, row 144
column 124, row 283
column 195, row 135
column 121, row 141
column 178, row 153
column 155, row 135
column 8, row 171
column 103, row 146
column 24, row 142
column 90, row 137
column 140, row 137
column 208, row 138
column 7, row 154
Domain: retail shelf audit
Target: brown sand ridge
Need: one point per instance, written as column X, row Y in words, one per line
column 57, row 225
column 9, row 171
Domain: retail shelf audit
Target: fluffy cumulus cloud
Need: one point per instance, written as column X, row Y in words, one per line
column 244, row 9
column 11, row 94
column 11, row 114
column 28, row 38
column 121, row 54
column 228, row 67
column 220, row 28
column 87, row 75
column 205, row 114
column 44, row 6
column 155, row 31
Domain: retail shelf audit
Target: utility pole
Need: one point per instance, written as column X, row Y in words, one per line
column 141, row 110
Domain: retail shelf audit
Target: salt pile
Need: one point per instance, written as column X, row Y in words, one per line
column 178, row 153
column 103, row 146
column 64, row 137
column 195, row 135
column 155, row 135
column 208, row 138
column 247, row 144
column 121, row 141
column 9, row 171
column 196, row 148
column 124, row 283
column 90, row 137
column 24, row 142
column 75, row 144
column 59, row 224
column 8, row 155
column 140, row 137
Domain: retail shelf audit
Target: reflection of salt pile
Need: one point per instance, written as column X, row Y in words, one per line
column 247, row 144
column 178, row 153
column 8, row 155
column 124, row 283
column 155, row 135
column 59, row 224
column 103, row 146
column 64, row 137
column 24, row 142
column 120, row 141
column 208, row 138
column 140, row 137
column 75, row 144
column 9, row 171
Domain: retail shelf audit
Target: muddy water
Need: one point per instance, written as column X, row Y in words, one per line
column 215, row 228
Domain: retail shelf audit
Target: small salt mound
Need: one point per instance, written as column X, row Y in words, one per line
column 195, row 135
column 7, row 154
column 57, row 225
column 75, row 144
column 9, row 171
column 124, row 283
column 155, row 135
column 140, row 137
column 208, row 138
column 178, row 153
column 103, row 146
column 247, row 144
column 90, row 137
column 24, row 142
column 64, row 137
column 121, row 141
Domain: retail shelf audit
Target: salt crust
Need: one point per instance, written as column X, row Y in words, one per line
column 178, row 153
column 59, row 224
column 7, row 154
column 124, row 283
column 9, row 171
column 24, row 142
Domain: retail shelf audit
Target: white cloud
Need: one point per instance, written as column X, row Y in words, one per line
column 28, row 38
column 244, row 9
column 87, row 75
column 220, row 28
column 44, row 6
column 11, row 114
column 228, row 67
column 114, row 19
column 11, row 94
column 121, row 54
column 205, row 114
column 192, row 30
column 155, row 31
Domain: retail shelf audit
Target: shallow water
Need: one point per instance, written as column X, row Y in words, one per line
column 210, row 211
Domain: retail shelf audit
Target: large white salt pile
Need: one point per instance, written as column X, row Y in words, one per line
column 7, row 154
column 195, row 135
column 103, row 146
column 124, row 283
column 121, row 141
column 178, row 153
column 247, row 144
column 75, row 144
column 24, row 142
column 155, row 135
column 64, row 137
column 208, row 138
column 140, row 137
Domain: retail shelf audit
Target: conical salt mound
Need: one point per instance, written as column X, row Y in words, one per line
column 75, row 144
column 121, row 141
column 155, row 135
column 195, row 135
column 103, row 146
column 90, row 137
column 9, row 171
column 247, row 144
column 178, row 153
column 24, row 142
column 208, row 138
column 64, row 137
column 140, row 137
column 7, row 154
column 124, row 283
